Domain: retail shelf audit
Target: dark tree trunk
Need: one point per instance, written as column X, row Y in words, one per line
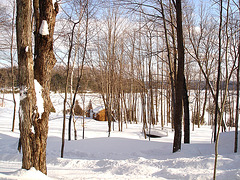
column 237, row 103
column 179, row 82
column 44, row 62
column 218, row 75
column 186, row 113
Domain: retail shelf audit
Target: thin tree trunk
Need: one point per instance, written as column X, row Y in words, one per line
column 12, row 69
column 171, row 73
column 186, row 114
column 66, row 92
column 237, row 103
column 219, row 73
column 220, row 120
column 162, row 104
column 81, row 72
column 204, row 103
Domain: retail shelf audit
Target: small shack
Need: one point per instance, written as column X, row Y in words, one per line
column 99, row 113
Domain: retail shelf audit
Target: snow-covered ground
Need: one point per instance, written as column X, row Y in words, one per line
column 124, row 155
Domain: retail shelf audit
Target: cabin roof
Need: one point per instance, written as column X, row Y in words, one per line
column 98, row 109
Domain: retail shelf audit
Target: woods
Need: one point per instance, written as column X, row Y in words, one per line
column 166, row 63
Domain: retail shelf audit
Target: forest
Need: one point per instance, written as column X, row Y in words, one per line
column 154, row 62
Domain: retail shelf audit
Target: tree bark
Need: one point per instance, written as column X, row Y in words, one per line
column 171, row 71
column 186, row 114
column 237, row 103
column 12, row 68
column 219, row 73
column 180, row 80
column 33, row 142
column 26, row 79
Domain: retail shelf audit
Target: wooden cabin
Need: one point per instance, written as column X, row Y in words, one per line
column 99, row 113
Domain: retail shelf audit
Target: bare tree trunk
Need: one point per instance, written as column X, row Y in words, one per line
column 66, row 92
column 219, row 73
column 220, row 120
column 237, row 103
column 26, row 79
column 162, row 104
column 83, row 99
column 157, row 87
column 12, row 68
column 180, row 81
column 34, row 142
column 186, row 114
column 171, row 73
column 44, row 62
column 81, row 71
column 204, row 103
column 199, row 100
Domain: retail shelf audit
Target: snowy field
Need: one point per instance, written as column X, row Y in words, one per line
column 124, row 155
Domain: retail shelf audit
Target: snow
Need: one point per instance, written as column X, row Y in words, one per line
column 23, row 92
column 124, row 155
column 40, row 102
column 98, row 109
column 53, row 2
column 44, row 28
column 27, row 175
column 27, row 49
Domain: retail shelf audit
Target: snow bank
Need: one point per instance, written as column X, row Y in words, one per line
column 23, row 174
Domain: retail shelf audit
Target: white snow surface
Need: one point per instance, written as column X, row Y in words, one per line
column 44, row 28
column 27, row 49
column 124, row 155
column 40, row 102
column 53, row 2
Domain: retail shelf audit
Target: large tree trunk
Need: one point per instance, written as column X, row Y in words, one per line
column 26, row 79
column 44, row 62
column 180, row 80
column 34, row 142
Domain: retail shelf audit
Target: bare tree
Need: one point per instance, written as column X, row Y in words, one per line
column 34, row 142
column 26, row 78
column 180, row 80
column 12, row 64
column 86, row 5
column 237, row 103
